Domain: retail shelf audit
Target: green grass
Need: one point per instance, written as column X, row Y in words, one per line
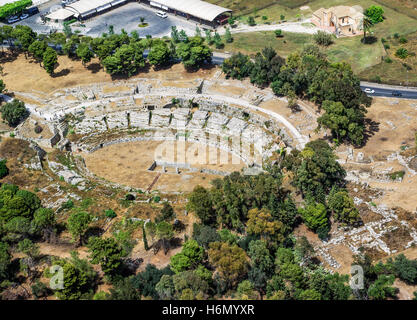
column 391, row 73
column 344, row 49
column 359, row 56
column 396, row 72
column 252, row 42
column 365, row 59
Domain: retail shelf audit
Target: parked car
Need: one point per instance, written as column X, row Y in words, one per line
column 24, row 16
column 13, row 19
column 32, row 11
column 396, row 94
column 162, row 14
column 67, row 2
column 369, row 91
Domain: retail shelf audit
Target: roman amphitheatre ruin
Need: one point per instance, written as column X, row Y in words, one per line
column 112, row 130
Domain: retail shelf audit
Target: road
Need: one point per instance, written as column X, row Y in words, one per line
column 381, row 90
column 386, row 91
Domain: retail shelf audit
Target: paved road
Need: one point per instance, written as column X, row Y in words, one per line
column 386, row 91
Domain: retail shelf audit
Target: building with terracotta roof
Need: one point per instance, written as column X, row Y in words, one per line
column 340, row 20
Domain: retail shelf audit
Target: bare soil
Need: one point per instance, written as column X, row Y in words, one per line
column 128, row 164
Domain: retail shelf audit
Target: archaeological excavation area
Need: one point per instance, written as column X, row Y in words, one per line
column 166, row 133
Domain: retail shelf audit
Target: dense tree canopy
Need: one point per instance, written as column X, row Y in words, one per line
column 14, row 112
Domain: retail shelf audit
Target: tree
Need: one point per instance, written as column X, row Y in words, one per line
column 314, row 216
column 266, row 67
column 146, row 280
column 45, row 222
column 37, row 49
column 382, row 288
column 13, row 8
column 2, row 85
column 5, row 259
column 218, row 40
column 123, row 289
column 31, row 251
column 318, row 171
column 4, row 171
column 159, row 55
column 78, row 224
column 183, row 37
column 367, row 24
column 105, row 252
column 342, row 207
column 24, row 36
column 84, row 53
column 204, row 235
column 209, row 38
column 190, row 256
column 260, row 256
column 14, row 112
column 200, row 203
column 330, row 286
column 237, row 66
column 246, row 291
column 164, row 233
column 174, row 34
column 229, row 260
column 405, row 269
column 126, row 60
column 165, row 288
column 309, row 294
column 228, row 36
column 194, row 53
column 50, row 60
column 344, row 123
column 79, row 278
column 167, row 213
column 375, row 14
column 260, row 222
column 71, row 44
column 189, row 280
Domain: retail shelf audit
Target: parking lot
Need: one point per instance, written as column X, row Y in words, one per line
column 126, row 17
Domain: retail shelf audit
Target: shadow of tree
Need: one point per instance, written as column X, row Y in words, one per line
column 94, row 67
column 62, row 73
column 371, row 127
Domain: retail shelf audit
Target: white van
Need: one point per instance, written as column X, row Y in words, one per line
column 162, row 14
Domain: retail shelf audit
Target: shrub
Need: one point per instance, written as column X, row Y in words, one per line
column 38, row 129
column 403, row 40
column 264, row 18
column 251, row 21
column 402, row 53
column 376, row 79
column 110, row 214
column 68, row 205
column 396, row 35
column 397, row 175
column 130, row 197
column 323, row 38
column 278, row 33
column 4, row 171
column 388, row 60
column 387, row 46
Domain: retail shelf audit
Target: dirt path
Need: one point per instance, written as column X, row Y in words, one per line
column 304, row 26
